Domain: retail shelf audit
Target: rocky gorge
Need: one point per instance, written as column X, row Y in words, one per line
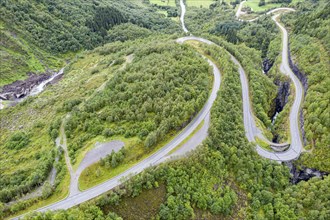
column 283, row 93
column 303, row 173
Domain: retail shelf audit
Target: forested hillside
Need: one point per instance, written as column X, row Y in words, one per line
column 144, row 100
column 34, row 32
column 310, row 51
column 102, row 83
column 225, row 178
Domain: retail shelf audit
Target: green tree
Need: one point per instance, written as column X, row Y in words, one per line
column 262, row 3
column 47, row 190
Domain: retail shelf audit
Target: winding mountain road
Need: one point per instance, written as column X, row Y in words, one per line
column 251, row 129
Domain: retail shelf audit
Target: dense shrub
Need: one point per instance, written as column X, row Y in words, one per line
column 18, row 141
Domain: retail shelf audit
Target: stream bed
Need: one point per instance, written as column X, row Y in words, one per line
column 18, row 91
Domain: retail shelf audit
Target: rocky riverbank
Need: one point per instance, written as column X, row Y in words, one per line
column 19, row 90
column 22, row 88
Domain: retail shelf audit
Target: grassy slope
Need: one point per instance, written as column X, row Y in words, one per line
column 190, row 3
column 253, row 4
column 96, row 174
column 89, row 178
column 163, row 2
column 199, row 3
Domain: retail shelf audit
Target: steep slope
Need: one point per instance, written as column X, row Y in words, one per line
column 18, row 57
column 33, row 32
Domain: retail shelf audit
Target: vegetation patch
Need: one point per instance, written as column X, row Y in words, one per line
column 199, row 3
column 18, row 141
column 135, row 153
column 160, row 91
column 263, row 144
column 263, row 5
column 144, row 206
column 164, row 2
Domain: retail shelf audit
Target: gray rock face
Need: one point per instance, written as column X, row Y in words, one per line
column 267, row 65
column 282, row 95
column 280, row 101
